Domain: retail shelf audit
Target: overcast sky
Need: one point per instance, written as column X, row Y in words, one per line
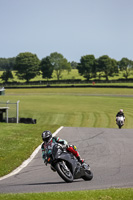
column 73, row 28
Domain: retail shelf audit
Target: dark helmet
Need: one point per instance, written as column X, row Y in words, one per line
column 46, row 136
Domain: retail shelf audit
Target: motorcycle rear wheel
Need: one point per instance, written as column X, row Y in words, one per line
column 88, row 175
column 64, row 172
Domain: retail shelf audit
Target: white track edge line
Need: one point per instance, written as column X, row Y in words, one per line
column 26, row 162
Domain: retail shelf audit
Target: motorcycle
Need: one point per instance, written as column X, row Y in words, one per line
column 120, row 121
column 66, row 165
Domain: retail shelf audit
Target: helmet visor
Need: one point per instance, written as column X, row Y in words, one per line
column 46, row 140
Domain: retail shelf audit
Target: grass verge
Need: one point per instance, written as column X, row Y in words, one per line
column 109, row 194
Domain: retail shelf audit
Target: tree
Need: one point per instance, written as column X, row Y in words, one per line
column 126, row 66
column 6, row 75
column 74, row 65
column 86, row 67
column 7, row 63
column 59, row 63
column 27, row 66
column 46, row 68
column 107, row 65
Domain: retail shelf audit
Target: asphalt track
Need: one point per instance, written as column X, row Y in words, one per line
column 108, row 151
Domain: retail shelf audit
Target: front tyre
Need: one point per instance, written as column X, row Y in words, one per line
column 64, row 172
column 120, row 125
column 88, row 175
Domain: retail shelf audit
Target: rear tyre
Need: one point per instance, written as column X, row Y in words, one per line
column 64, row 172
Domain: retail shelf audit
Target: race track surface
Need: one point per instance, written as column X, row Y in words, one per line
column 109, row 152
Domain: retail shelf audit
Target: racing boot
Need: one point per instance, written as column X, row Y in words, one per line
column 81, row 161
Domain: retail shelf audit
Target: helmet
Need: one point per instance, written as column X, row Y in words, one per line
column 46, row 136
column 121, row 110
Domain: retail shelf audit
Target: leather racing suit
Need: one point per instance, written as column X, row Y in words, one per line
column 47, row 148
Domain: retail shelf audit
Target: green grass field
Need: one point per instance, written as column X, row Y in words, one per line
column 109, row 194
column 76, row 107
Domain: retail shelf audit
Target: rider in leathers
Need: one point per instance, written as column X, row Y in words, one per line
column 49, row 141
column 120, row 114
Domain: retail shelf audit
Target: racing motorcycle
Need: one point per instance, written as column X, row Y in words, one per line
column 66, row 165
column 120, row 121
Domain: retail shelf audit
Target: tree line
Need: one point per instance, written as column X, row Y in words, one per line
column 27, row 66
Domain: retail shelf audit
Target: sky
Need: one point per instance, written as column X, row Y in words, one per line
column 73, row 28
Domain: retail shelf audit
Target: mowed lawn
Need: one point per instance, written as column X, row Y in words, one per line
column 78, row 107
column 52, row 108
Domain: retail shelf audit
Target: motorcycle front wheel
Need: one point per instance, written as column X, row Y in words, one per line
column 88, row 175
column 119, row 125
column 64, row 172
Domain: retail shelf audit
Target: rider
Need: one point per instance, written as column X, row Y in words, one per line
column 120, row 114
column 49, row 141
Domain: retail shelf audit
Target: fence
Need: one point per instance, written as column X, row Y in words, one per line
column 10, row 110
